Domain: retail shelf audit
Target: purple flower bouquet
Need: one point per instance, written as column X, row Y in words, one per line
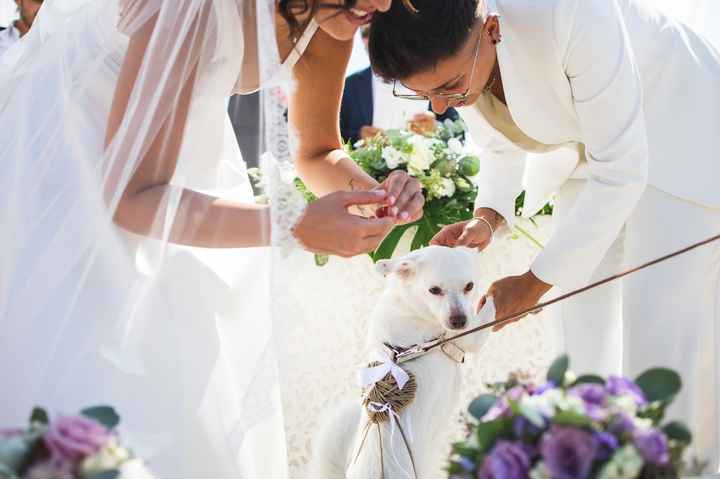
column 574, row 428
column 83, row 446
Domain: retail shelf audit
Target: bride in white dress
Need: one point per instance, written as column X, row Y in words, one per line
column 125, row 200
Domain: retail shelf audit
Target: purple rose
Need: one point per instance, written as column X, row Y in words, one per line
column 594, row 399
column 507, row 460
column 70, row 439
column 619, row 386
column 568, row 452
column 46, row 470
column 653, row 446
column 607, row 444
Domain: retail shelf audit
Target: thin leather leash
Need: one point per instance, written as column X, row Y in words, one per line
column 422, row 349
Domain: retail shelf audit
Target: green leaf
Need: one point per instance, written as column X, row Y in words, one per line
column 481, row 405
column 571, row 418
column 14, row 452
column 424, row 234
column 558, row 369
column 105, row 415
column 589, row 379
column 659, row 384
column 40, row 416
column 678, row 431
column 110, row 474
column 6, row 472
column 321, row 259
column 388, row 245
column 488, row 432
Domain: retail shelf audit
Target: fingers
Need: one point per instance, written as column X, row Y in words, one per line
column 415, row 207
column 449, row 235
column 402, row 205
column 351, row 198
column 394, row 185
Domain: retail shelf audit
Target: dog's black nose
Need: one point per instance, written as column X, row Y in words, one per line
column 457, row 320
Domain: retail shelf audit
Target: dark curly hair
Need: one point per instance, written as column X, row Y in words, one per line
column 404, row 43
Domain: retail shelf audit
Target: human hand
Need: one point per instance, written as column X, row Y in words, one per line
column 327, row 227
column 405, row 199
column 515, row 294
column 422, row 123
column 472, row 234
column 368, row 131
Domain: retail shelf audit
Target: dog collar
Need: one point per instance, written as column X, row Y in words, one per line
column 450, row 349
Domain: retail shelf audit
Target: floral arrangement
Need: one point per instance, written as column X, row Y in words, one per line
column 83, row 446
column 574, row 428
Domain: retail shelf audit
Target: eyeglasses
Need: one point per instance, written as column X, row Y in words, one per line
column 461, row 97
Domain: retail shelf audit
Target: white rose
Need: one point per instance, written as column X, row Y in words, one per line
column 421, row 157
column 540, row 471
column 443, row 187
column 393, row 158
column 624, row 403
column 134, row 469
column 456, row 146
column 111, row 456
column 626, row 463
column 539, row 403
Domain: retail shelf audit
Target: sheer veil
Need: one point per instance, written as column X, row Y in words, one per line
column 177, row 338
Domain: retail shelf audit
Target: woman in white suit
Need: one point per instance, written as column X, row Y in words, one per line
column 636, row 95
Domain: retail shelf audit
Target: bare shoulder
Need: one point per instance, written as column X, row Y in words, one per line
column 325, row 53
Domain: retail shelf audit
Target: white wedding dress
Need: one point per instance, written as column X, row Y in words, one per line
column 177, row 339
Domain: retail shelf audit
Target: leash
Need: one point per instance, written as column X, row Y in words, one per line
column 422, row 349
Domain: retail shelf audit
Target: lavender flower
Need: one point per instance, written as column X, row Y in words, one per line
column 653, row 446
column 507, row 460
column 619, row 386
column 501, row 408
column 621, row 424
column 522, row 427
column 536, row 390
column 607, row 444
column 594, row 399
column 70, row 439
column 568, row 452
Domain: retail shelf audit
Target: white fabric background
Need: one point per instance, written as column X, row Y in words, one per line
column 7, row 12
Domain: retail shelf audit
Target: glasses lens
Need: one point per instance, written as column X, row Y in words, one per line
column 401, row 91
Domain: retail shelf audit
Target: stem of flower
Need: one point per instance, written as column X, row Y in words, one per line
column 530, row 237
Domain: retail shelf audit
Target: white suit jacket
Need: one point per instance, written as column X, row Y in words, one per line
column 641, row 91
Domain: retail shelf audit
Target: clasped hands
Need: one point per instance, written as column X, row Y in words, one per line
column 349, row 223
column 511, row 295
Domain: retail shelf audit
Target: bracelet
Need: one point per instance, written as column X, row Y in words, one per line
column 480, row 218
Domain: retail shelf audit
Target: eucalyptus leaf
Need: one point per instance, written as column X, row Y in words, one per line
column 321, row 259
column 678, row 431
column 589, row 379
column 659, row 384
column 14, row 451
column 6, row 472
column 481, row 405
column 110, row 474
column 40, row 416
column 105, row 415
column 558, row 369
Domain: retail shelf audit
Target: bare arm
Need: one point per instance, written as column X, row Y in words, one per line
column 315, row 112
column 200, row 220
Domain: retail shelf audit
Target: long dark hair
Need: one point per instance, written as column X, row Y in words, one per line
column 293, row 10
column 404, row 43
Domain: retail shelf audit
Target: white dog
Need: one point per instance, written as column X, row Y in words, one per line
column 429, row 293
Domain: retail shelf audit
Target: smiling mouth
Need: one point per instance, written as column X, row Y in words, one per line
column 358, row 16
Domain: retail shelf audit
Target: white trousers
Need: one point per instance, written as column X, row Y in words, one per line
column 665, row 316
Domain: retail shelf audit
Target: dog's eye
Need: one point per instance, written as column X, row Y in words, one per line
column 469, row 287
column 437, row 291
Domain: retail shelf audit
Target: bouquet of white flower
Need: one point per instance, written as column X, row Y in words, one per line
column 83, row 446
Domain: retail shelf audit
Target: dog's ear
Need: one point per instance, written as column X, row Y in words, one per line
column 403, row 267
